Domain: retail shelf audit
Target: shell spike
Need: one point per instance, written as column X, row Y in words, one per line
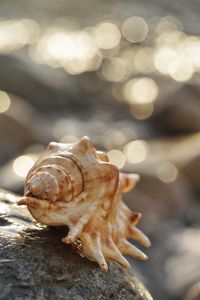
column 74, row 185
column 93, row 244
column 85, row 146
column 129, row 249
column 110, row 251
column 128, row 181
column 139, row 236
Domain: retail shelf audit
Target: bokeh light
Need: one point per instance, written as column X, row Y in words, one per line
column 114, row 69
column 163, row 57
column 135, row 29
column 107, row 35
column 136, row 151
column 142, row 111
column 4, row 102
column 75, row 51
column 168, row 24
column 140, row 91
column 114, row 138
column 22, row 165
column 181, row 69
column 116, row 157
column 15, row 34
column 167, row 172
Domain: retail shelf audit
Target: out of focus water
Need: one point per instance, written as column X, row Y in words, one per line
column 125, row 73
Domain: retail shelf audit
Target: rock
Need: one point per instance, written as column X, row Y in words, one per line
column 35, row 264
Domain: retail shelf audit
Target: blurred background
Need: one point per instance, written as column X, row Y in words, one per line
column 127, row 74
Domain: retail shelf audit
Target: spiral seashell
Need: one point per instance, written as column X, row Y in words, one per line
column 76, row 186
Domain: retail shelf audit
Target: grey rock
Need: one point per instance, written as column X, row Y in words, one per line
column 35, row 264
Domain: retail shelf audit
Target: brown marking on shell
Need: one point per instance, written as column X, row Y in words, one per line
column 135, row 217
column 81, row 189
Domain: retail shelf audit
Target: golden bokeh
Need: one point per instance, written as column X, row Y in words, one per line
column 116, row 157
column 163, row 57
column 114, row 138
column 168, row 24
column 15, row 34
column 114, row 69
column 135, row 29
column 75, row 51
column 135, row 151
column 142, row 111
column 107, row 35
column 22, row 165
column 140, row 91
column 167, row 172
column 181, row 69
column 4, row 102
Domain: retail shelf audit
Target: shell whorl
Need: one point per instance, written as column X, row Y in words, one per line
column 98, row 218
column 55, row 178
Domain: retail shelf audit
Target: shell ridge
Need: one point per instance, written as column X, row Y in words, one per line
column 96, row 214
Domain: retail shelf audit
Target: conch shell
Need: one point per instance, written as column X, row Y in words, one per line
column 75, row 185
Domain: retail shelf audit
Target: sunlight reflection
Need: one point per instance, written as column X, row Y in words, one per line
column 4, row 102
column 193, row 52
column 114, row 138
column 135, row 152
column 140, row 91
column 142, row 111
column 76, row 45
column 116, row 157
column 164, row 49
column 4, row 208
column 15, row 34
column 181, row 69
column 163, row 57
column 107, row 35
column 22, row 165
column 75, row 51
column 171, row 39
column 135, row 29
column 114, row 69
column 168, row 23
column 167, row 172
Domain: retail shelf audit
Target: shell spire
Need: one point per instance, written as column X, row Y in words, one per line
column 77, row 186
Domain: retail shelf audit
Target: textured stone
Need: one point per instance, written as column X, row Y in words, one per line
column 35, row 264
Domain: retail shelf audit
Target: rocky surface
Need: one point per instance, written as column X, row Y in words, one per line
column 35, row 264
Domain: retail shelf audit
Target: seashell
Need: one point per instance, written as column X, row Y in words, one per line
column 75, row 185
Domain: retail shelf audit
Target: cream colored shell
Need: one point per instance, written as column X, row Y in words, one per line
column 75, row 185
